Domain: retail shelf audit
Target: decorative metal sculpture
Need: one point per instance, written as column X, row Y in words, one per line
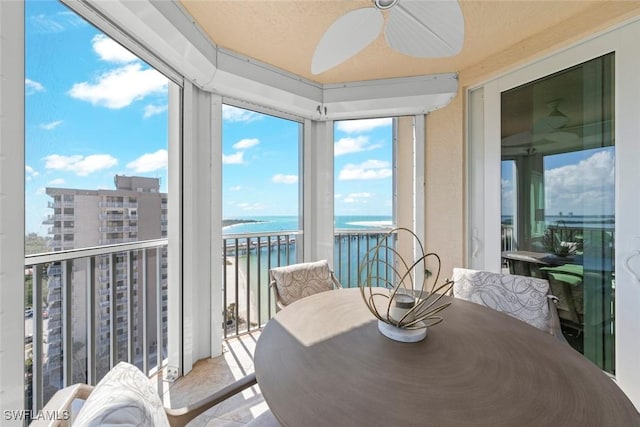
column 404, row 311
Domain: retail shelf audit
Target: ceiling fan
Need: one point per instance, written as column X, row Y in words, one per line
column 549, row 129
column 420, row 28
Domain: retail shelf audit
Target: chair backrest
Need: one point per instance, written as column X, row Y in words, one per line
column 293, row 282
column 525, row 298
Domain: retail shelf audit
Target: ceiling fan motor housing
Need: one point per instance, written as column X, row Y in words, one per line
column 384, row 4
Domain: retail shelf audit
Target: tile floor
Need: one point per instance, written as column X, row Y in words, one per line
column 212, row 374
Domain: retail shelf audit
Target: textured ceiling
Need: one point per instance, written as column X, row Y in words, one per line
column 284, row 33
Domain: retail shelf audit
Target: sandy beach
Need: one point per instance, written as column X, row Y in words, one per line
column 230, row 289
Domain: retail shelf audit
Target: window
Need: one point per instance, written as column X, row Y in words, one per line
column 558, row 190
column 96, row 131
column 261, row 206
column 363, row 190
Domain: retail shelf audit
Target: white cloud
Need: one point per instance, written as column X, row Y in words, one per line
column 365, row 125
column 353, row 145
column 585, row 188
column 111, row 51
column 58, row 181
column 32, row 86
column 284, row 179
column 41, row 191
column 80, row 165
column 149, row 162
column 370, row 169
column 357, row 197
column 51, row 125
column 233, row 159
column 120, row 87
column 152, row 110
column 235, row 114
column 235, row 188
column 243, row 144
column 30, row 173
column 237, row 158
column 57, row 23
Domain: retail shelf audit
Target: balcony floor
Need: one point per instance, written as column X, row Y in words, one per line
column 209, row 375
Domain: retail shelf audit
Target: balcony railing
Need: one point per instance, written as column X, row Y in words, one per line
column 118, row 204
column 79, row 334
column 60, row 204
column 119, row 229
column 82, row 330
column 50, row 219
column 247, row 258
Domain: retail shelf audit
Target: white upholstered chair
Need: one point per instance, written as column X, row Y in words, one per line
column 525, row 298
column 293, row 282
column 125, row 396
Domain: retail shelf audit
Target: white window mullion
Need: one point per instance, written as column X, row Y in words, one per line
column 318, row 191
column 12, row 143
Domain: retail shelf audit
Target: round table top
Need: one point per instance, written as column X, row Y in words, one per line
column 322, row 361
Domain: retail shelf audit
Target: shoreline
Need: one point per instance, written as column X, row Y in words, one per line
column 232, row 222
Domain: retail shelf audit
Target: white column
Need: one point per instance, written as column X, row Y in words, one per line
column 627, row 128
column 12, row 144
column 318, row 191
column 201, row 227
column 419, row 169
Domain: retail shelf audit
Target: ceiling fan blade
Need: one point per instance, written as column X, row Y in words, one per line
column 559, row 137
column 425, row 28
column 347, row 36
column 519, row 139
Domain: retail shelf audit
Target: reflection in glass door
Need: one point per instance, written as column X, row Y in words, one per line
column 557, row 175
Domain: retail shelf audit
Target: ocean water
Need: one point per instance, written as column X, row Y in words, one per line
column 254, row 265
column 264, row 224
column 573, row 221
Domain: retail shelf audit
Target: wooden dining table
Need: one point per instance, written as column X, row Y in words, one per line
column 322, row 362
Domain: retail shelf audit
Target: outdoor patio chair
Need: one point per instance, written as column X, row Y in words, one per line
column 293, row 282
column 525, row 298
column 125, row 396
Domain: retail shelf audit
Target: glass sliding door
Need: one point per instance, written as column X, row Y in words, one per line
column 557, row 192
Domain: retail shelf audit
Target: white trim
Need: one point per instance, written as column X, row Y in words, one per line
column 389, row 97
column 217, row 284
column 174, row 232
column 627, row 134
column 198, row 225
column 474, row 182
column 419, row 189
column 491, row 179
column 247, row 79
column 623, row 41
column 12, row 144
column 318, row 191
column 166, row 30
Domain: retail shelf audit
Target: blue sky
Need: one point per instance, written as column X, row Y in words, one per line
column 261, row 168
column 94, row 110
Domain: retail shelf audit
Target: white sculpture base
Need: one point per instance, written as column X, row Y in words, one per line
column 401, row 334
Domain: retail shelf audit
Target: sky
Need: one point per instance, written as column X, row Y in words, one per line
column 261, row 169
column 580, row 182
column 94, row 110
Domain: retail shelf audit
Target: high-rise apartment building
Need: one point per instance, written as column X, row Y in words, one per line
column 135, row 211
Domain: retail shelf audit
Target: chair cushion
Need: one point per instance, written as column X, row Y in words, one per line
column 297, row 281
column 522, row 297
column 125, row 396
